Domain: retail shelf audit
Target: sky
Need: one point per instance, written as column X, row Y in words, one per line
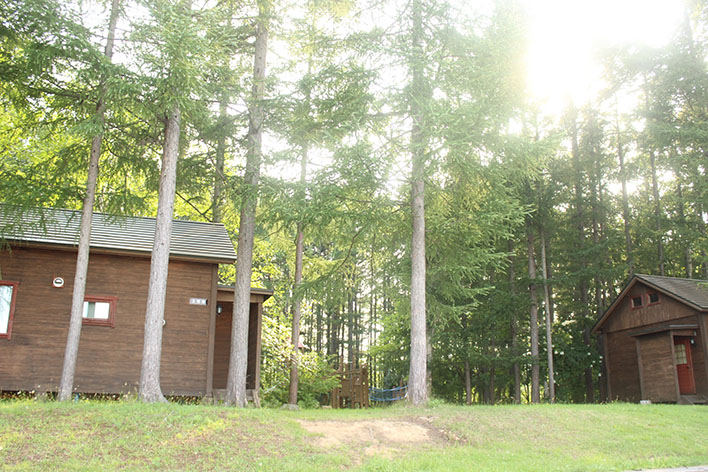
column 564, row 36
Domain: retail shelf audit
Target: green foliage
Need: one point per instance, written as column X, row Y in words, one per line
column 317, row 377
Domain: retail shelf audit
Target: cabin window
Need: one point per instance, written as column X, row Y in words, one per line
column 637, row 302
column 680, row 353
column 8, row 293
column 653, row 298
column 99, row 311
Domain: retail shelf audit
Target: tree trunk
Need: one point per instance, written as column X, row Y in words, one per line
column 219, row 165
column 535, row 371
column 238, row 359
column 468, row 383
column 149, row 389
column 657, row 213
column 318, row 336
column 549, row 335
column 688, row 261
column 428, row 362
column 655, row 193
column 625, row 200
column 514, row 329
column 580, row 224
column 71, row 352
column 297, row 306
column 417, row 391
column 350, row 323
column 492, row 375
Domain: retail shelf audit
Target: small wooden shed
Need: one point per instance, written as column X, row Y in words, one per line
column 654, row 336
column 37, row 265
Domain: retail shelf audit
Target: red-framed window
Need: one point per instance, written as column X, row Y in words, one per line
column 637, row 302
column 653, row 298
column 99, row 311
column 8, row 294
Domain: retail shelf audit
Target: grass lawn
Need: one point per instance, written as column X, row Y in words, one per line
column 92, row 435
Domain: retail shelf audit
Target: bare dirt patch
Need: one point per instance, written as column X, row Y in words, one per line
column 381, row 437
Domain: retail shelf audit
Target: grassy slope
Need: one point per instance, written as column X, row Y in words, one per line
column 133, row 436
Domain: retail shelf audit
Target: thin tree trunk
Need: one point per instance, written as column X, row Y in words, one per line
column 688, row 261
column 492, row 375
column 318, row 337
column 625, row 200
column 549, row 276
column 583, row 284
column 149, row 389
column 655, row 194
column 468, row 383
column 417, row 391
column 428, row 361
column 238, row 359
column 596, row 202
column 514, row 329
column 657, row 213
column 350, row 324
column 71, row 352
column 549, row 335
column 297, row 307
column 533, row 311
column 219, row 165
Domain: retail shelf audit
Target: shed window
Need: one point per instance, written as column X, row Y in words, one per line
column 99, row 310
column 8, row 293
column 653, row 298
column 637, row 302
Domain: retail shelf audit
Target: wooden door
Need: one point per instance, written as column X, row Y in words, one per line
column 684, row 365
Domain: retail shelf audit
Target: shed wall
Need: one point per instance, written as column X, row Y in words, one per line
column 658, row 369
column 623, row 367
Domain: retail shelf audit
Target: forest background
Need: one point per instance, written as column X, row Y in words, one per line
column 532, row 214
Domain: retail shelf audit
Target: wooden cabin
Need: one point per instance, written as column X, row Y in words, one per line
column 37, row 265
column 654, row 338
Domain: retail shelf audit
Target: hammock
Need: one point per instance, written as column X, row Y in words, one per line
column 388, row 394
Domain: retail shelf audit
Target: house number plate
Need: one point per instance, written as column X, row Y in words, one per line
column 198, row 301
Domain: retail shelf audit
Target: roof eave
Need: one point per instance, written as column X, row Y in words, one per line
column 100, row 249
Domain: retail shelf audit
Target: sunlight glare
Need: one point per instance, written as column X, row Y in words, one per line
column 564, row 36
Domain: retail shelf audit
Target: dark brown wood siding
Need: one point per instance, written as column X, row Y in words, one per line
column 623, row 367
column 625, row 317
column 109, row 358
column 658, row 369
column 222, row 345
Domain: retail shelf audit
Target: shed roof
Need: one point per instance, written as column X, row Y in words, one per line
column 190, row 239
column 692, row 292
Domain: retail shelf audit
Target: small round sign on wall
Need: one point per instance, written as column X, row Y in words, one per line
column 58, row 282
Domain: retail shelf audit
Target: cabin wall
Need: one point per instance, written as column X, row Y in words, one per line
column 658, row 376
column 109, row 357
column 623, row 367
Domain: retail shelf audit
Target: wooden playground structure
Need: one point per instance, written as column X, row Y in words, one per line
column 353, row 389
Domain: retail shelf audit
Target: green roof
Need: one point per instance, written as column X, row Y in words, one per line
column 190, row 239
